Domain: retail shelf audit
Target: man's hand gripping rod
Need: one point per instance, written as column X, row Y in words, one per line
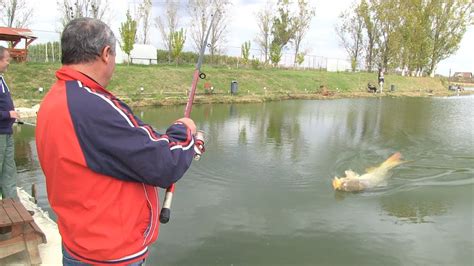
column 166, row 209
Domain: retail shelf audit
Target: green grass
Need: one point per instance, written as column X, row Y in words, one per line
column 167, row 84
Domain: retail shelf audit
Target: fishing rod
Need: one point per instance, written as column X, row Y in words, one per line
column 166, row 209
column 25, row 123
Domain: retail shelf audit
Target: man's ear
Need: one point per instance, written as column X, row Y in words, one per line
column 105, row 55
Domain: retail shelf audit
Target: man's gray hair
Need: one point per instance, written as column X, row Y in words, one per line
column 2, row 52
column 83, row 40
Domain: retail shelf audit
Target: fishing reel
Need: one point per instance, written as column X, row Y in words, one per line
column 199, row 144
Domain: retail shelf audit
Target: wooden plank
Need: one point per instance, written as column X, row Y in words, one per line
column 38, row 231
column 11, row 246
column 25, row 234
column 13, row 214
column 33, row 251
column 25, row 215
column 6, row 201
column 4, row 219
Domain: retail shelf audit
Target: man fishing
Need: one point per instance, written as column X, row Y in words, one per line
column 8, row 115
column 102, row 164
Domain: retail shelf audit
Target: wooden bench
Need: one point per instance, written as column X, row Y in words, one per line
column 18, row 231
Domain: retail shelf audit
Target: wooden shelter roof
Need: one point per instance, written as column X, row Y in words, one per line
column 16, row 34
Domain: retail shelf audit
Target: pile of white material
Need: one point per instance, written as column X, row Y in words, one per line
column 51, row 251
column 28, row 112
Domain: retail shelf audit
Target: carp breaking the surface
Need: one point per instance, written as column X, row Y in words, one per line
column 374, row 177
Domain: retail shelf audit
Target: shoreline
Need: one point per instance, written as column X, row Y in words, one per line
column 163, row 85
column 140, row 100
column 258, row 98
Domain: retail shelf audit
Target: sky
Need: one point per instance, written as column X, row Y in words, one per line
column 320, row 41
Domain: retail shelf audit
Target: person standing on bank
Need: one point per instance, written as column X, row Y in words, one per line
column 381, row 79
column 102, row 164
column 8, row 115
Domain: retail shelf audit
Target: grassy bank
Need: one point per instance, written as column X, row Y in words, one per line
column 164, row 85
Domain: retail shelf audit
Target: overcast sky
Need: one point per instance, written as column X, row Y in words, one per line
column 321, row 40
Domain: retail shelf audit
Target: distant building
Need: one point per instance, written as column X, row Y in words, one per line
column 467, row 75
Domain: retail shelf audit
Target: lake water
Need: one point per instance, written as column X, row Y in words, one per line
column 262, row 195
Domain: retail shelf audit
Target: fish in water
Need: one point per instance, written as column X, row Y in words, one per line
column 374, row 177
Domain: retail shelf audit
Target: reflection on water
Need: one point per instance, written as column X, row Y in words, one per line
column 262, row 193
column 415, row 207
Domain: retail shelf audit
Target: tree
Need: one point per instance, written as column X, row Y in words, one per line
column 71, row 9
column 387, row 23
column 245, row 49
column 275, row 53
column 350, row 33
column 282, row 31
column 264, row 22
column 168, row 24
column 15, row 13
column 145, row 16
column 128, row 32
column 301, row 24
column 201, row 12
column 300, row 58
column 414, row 29
column 177, row 44
column 364, row 11
column 448, row 25
column 219, row 29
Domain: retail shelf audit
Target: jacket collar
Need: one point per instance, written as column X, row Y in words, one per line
column 67, row 73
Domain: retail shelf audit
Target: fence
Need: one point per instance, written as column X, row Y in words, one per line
column 46, row 49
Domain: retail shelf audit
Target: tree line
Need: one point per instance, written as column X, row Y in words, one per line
column 411, row 36
column 282, row 24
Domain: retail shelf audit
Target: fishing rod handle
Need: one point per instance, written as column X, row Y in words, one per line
column 19, row 122
column 165, row 212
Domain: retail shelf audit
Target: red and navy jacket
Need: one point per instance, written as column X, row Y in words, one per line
column 102, row 167
column 6, row 105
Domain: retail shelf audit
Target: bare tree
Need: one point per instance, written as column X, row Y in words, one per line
column 15, row 13
column 219, row 29
column 301, row 24
column 350, row 32
column 201, row 14
column 199, row 10
column 145, row 16
column 71, row 9
column 264, row 22
column 167, row 24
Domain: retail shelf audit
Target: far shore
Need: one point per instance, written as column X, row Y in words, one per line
column 257, row 98
column 159, row 85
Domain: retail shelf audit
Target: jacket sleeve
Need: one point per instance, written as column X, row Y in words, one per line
column 116, row 143
column 4, row 115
